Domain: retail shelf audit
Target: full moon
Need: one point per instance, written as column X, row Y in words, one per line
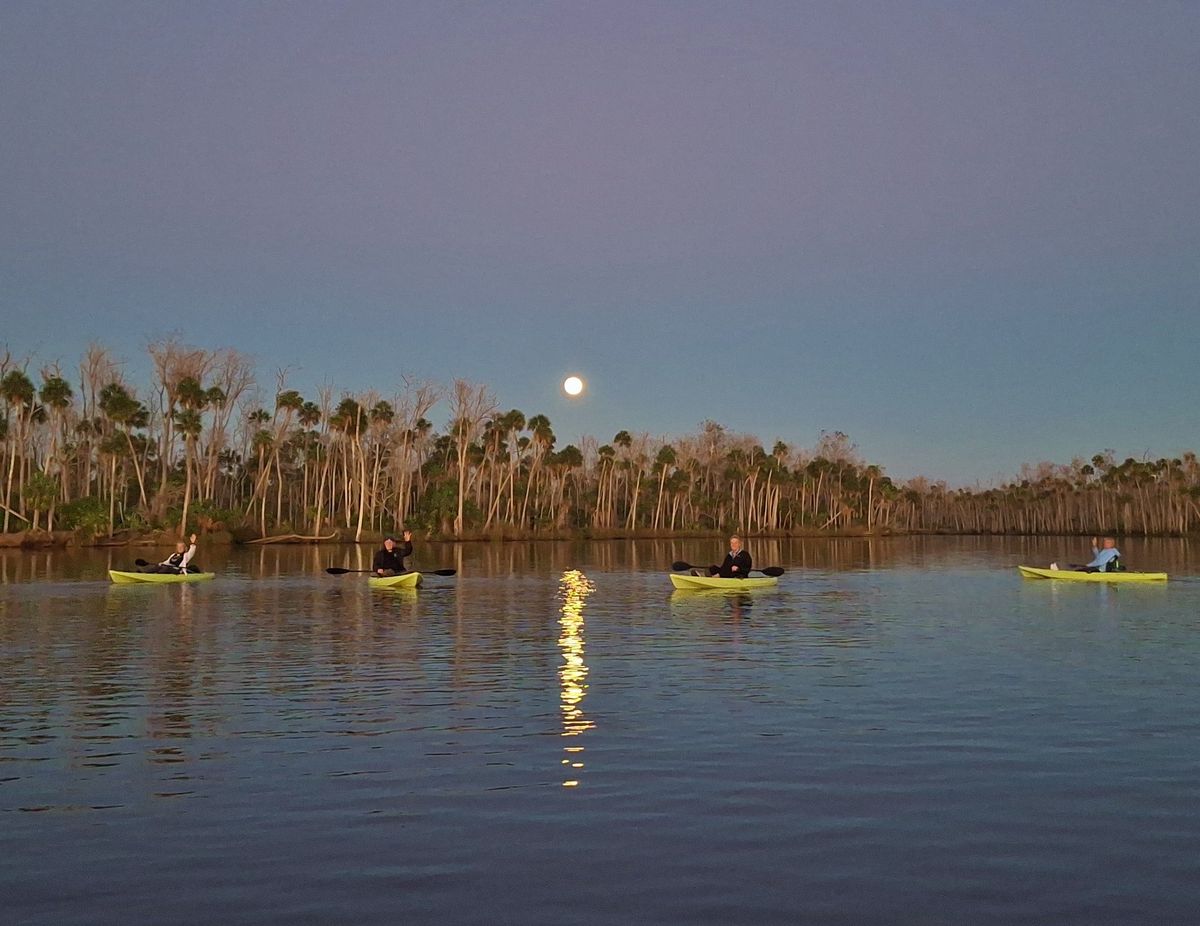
column 572, row 385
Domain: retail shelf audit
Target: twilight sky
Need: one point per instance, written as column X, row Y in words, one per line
column 968, row 234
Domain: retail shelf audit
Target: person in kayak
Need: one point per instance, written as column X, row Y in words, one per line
column 737, row 561
column 389, row 561
column 179, row 562
column 1106, row 558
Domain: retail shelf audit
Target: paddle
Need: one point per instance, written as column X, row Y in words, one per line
column 142, row 564
column 338, row 571
column 772, row 571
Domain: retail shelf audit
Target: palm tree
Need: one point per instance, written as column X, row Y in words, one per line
column 350, row 420
column 123, row 409
column 500, row 440
column 190, row 425
column 288, row 402
column 622, row 440
column 664, row 462
column 262, row 442
column 40, row 493
column 307, row 416
column 541, row 442
column 216, row 399
column 565, row 463
column 382, row 415
column 56, row 396
column 192, row 399
column 603, row 515
column 17, row 391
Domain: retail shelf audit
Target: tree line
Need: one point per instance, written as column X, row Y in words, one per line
column 204, row 444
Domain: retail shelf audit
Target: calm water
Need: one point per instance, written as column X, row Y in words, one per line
column 903, row 732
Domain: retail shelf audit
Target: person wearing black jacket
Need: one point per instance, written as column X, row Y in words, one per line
column 390, row 560
column 737, row 561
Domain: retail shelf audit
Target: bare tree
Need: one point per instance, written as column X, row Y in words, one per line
column 173, row 363
column 470, row 405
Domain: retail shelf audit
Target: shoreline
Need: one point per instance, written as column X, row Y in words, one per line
column 42, row 540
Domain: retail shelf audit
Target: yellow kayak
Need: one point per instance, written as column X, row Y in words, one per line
column 1073, row 575
column 157, row 578
column 698, row 582
column 404, row 580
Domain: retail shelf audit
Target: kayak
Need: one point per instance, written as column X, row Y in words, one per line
column 698, row 582
column 1072, row 575
column 404, row 580
column 157, row 578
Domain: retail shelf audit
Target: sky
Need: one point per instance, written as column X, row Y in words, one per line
column 966, row 234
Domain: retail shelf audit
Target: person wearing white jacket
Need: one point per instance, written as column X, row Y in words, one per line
column 179, row 561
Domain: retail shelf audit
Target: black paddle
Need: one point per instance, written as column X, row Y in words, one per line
column 772, row 571
column 143, row 563
column 338, row 571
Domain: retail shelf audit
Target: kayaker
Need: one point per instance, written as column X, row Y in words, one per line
column 389, row 561
column 737, row 561
column 179, row 562
column 1106, row 558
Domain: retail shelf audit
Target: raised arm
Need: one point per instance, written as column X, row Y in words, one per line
column 191, row 551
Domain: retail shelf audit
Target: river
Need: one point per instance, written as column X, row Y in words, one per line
column 904, row 731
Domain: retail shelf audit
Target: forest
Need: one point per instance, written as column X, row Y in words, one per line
column 204, row 445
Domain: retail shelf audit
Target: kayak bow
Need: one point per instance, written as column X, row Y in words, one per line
column 404, row 580
column 1073, row 575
